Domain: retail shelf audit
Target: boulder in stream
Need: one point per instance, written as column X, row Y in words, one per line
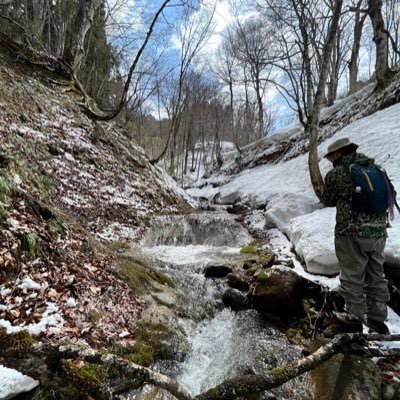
column 229, row 198
column 217, row 271
column 238, row 281
column 278, row 291
column 235, row 299
column 237, row 209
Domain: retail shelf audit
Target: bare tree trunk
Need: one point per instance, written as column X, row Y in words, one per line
column 231, row 110
column 355, row 50
column 334, row 73
column 260, row 107
column 247, row 125
column 83, row 21
column 313, row 127
column 382, row 71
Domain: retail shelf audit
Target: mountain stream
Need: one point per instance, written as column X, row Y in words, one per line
column 223, row 344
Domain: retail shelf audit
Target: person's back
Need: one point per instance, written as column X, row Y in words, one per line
column 360, row 239
column 339, row 188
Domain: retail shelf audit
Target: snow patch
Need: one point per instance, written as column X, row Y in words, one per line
column 13, row 383
column 51, row 320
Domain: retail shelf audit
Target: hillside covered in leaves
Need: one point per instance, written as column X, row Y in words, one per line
column 69, row 187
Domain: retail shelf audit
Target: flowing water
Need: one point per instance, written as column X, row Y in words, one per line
column 223, row 344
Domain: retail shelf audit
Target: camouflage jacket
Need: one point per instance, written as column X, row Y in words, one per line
column 337, row 193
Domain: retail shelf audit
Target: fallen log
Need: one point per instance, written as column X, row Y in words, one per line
column 26, row 360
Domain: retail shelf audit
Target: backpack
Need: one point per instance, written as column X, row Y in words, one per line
column 373, row 191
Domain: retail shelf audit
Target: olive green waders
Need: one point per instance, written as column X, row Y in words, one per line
column 362, row 279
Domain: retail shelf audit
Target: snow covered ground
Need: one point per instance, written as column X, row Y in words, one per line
column 293, row 208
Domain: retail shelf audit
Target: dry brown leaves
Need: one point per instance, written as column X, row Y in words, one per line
column 97, row 308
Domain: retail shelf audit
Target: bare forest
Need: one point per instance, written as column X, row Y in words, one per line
column 150, row 68
column 184, row 80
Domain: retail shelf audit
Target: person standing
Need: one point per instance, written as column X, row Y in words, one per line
column 360, row 240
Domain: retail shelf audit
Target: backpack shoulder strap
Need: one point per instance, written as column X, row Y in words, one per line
column 392, row 193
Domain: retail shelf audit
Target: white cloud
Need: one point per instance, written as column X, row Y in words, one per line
column 222, row 18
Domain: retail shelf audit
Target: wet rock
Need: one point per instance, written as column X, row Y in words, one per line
column 266, row 259
column 235, row 299
column 288, row 263
column 156, row 313
column 238, row 282
column 278, row 292
column 252, row 271
column 160, row 304
column 271, row 360
column 217, row 271
column 230, row 198
column 249, row 263
column 347, row 377
column 237, row 209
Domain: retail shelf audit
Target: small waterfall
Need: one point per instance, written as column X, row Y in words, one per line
column 232, row 344
column 224, row 344
column 213, row 229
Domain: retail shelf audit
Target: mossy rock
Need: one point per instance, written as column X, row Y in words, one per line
column 151, row 343
column 250, row 249
column 239, row 282
column 81, row 381
column 141, row 277
column 347, row 377
column 251, row 271
column 15, row 340
column 249, row 264
column 118, row 246
column 266, row 259
column 82, row 375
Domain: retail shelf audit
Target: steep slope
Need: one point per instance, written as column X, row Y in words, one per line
column 88, row 169
column 65, row 181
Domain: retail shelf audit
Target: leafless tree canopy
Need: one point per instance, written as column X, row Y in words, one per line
column 270, row 47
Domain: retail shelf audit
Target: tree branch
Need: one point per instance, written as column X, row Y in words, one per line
column 232, row 389
column 52, row 353
column 26, row 360
column 110, row 116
